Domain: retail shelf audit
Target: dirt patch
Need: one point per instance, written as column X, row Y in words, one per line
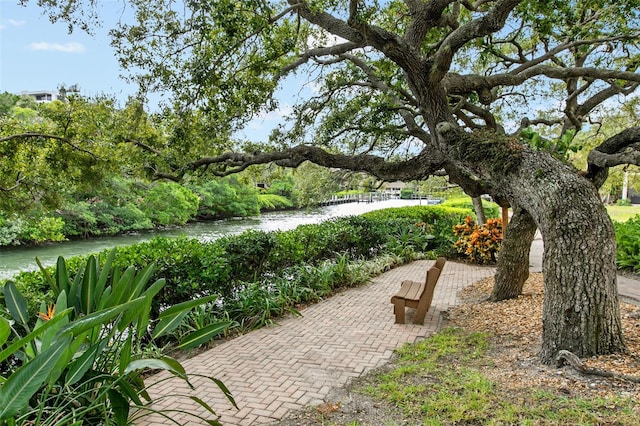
column 516, row 327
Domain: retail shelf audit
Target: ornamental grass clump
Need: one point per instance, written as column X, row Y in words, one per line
column 479, row 243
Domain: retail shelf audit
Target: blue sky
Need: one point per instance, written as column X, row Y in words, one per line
column 36, row 54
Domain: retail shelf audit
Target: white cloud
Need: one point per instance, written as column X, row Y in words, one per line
column 58, row 47
column 277, row 115
column 324, row 38
column 266, row 121
column 17, row 23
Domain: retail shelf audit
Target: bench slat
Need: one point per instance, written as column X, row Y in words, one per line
column 410, row 290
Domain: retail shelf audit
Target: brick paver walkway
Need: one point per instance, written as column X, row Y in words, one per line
column 298, row 361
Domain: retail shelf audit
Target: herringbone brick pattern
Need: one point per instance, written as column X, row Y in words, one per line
column 296, row 362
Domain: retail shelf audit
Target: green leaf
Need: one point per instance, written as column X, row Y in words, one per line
column 121, row 287
column 120, row 407
column 17, row 344
column 127, row 389
column 61, row 301
column 203, row 404
column 155, row 288
column 203, row 335
column 89, row 282
column 167, row 325
column 225, row 390
column 65, row 359
column 5, row 330
column 16, row 303
column 26, row 380
column 175, row 365
column 106, row 295
column 73, row 297
column 104, row 275
column 138, row 382
column 82, row 364
column 143, row 318
column 61, row 306
column 141, row 279
column 125, row 354
column 101, row 317
column 186, row 306
column 62, row 276
column 154, row 364
column 47, row 277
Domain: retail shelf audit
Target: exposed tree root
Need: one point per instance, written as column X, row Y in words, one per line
column 571, row 359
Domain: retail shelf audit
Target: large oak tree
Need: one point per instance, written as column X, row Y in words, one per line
column 405, row 89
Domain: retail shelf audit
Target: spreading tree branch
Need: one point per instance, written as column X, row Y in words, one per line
column 32, row 135
column 417, row 168
column 622, row 148
column 491, row 22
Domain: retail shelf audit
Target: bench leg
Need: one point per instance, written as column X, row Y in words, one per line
column 398, row 309
column 421, row 313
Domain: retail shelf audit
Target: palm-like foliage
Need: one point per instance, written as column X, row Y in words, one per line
column 82, row 361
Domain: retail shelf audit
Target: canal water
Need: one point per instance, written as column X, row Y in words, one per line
column 16, row 259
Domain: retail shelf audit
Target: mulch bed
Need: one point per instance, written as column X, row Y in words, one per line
column 517, row 327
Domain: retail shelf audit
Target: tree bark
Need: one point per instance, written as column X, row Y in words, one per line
column 581, row 307
column 513, row 260
column 479, row 209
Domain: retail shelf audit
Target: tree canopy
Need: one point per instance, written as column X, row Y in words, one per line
column 405, row 89
column 501, row 66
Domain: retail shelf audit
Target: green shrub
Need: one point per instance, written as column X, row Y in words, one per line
column 130, row 218
column 360, row 237
column 490, row 209
column 169, row 204
column 282, row 187
column 191, row 268
column 406, row 193
column 96, row 218
column 628, row 243
column 113, row 219
column 79, row 220
column 623, row 202
column 44, row 229
column 274, row 202
column 225, row 198
column 9, row 231
column 437, row 221
column 247, row 253
column 229, row 266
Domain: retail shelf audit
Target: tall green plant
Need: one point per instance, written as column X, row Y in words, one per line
column 83, row 359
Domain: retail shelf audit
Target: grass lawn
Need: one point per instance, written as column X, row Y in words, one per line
column 442, row 381
column 623, row 213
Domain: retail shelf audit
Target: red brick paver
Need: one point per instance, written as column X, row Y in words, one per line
column 298, row 361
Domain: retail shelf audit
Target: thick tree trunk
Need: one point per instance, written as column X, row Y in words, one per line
column 479, row 209
column 513, row 260
column 581, row 308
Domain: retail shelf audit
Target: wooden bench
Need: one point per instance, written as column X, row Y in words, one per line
column 417, row 295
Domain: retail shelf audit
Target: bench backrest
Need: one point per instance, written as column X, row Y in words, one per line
column 439, row 265
column 433, row 274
